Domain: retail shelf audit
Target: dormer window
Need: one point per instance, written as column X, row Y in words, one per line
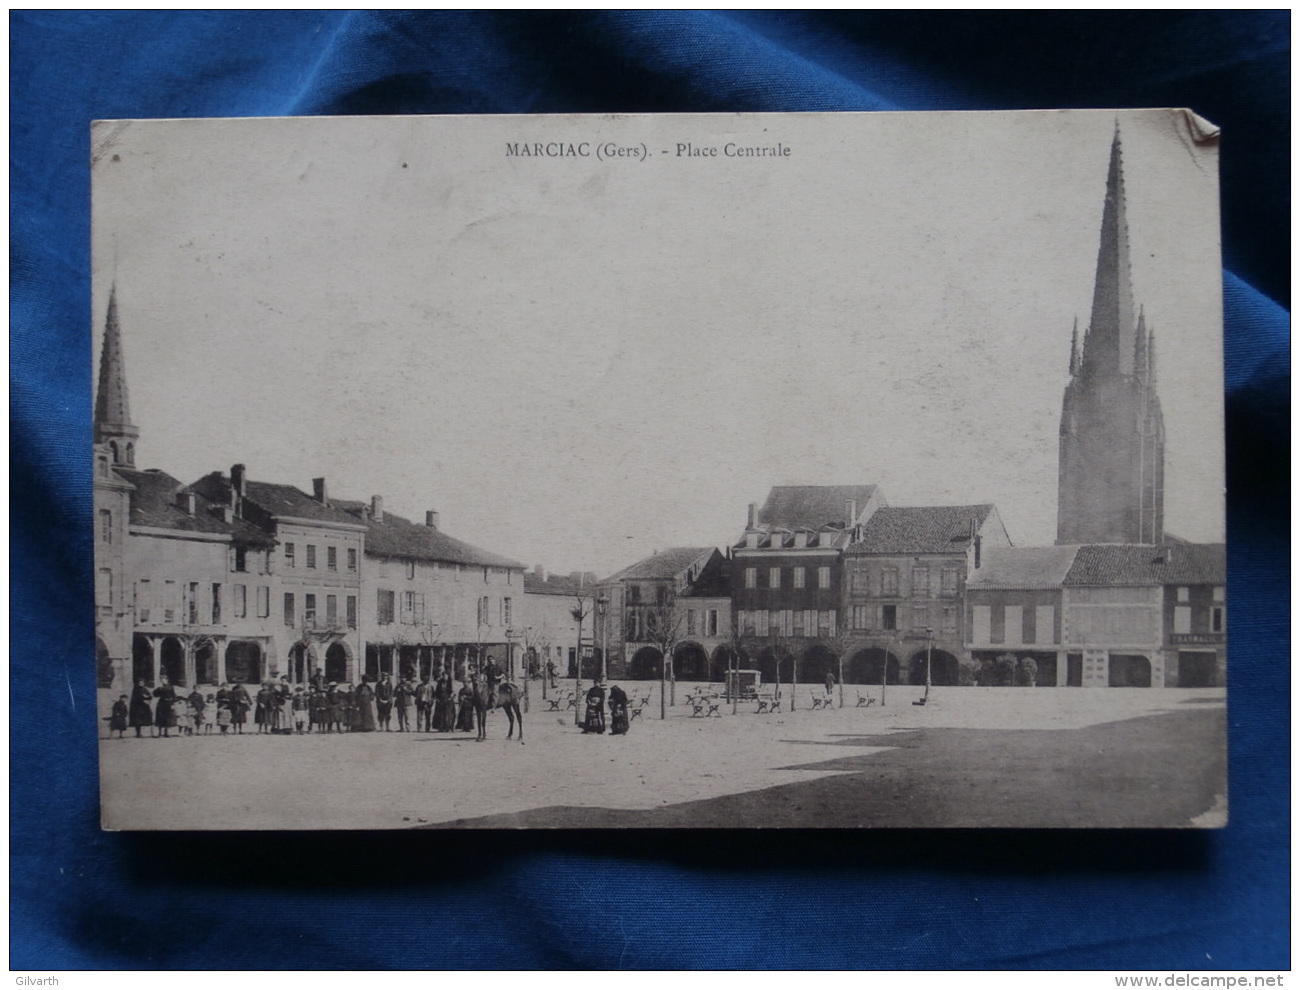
column 751, row 539
column 800, row 540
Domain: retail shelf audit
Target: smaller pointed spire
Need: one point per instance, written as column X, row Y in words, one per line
column 1074, row 349
column 112, row 404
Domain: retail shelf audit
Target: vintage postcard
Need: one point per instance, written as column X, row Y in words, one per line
column 790, row 470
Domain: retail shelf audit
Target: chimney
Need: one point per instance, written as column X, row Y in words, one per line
column 539, row 572
column 319, row 491
column 851, row 507
column 377, row 508
column 753, row 514
column 431, row 519
column 227, row 514
column 186, row 502
column 576, row 577
column 237, row 480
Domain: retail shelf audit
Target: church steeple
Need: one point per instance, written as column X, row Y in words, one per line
column 1112, row 438
column 1108, row 343
column 113, row 425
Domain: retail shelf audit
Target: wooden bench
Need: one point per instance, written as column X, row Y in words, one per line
column 634, row 712
column 864, row 701
column 768, row 702
column 704, row 705
column 822, row 701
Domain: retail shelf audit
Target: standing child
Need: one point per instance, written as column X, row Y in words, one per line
column 299, row 710
column 117, row 720
column 224, row 717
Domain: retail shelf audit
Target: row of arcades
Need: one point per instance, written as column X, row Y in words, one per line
column 209, row 661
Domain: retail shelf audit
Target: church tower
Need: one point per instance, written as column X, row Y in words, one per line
column 1112, row 451
column 113, row 427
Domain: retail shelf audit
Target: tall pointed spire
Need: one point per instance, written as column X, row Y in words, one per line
column 1108, row 344
column 113, row 424
column 1111, row 474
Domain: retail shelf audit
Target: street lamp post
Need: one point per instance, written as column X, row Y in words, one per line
column 602, row 607
column 579, row 613
column 929, row 655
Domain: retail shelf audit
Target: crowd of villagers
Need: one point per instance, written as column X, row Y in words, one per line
column 281, row 709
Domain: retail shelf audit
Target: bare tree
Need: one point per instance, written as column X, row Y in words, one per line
column 663, row 628
column 582, row 606
column 837, row 646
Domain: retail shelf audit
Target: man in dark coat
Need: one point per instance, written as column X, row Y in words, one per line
column 240, row 703
column 384, row 700
column 141, row 713
column 163, row 717
column 424, row 706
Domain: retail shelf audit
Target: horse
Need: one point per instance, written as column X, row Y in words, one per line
column 504, row 695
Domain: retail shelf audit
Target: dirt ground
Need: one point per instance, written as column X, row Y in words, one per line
column 972, row 757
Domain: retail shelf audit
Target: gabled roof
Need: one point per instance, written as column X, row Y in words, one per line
column 812, row 506
column 664, row 565
column 1102, row 564
column 920, row 529
column 153, row 503
column 274, row 500
column 558, row 584
column 399, row 537
column 1021, row 567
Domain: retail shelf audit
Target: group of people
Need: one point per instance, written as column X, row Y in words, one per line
column 594, row 720
column 322, row 707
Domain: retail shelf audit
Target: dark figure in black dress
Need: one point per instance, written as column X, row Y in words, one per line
column 595, row 720
column 618, row 720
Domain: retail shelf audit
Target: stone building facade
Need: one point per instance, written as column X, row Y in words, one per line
column 904, row 590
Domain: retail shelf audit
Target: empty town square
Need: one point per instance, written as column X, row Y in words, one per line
column 976, row 757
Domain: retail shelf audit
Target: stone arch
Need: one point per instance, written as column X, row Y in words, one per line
column 303, row 662
column 171, row 660
column 945, row 671
column 243, row 662
column 205, row 662
column 1128, row 670
column 103, row 664
column 721, row 661
column 142, row 659
column 870, row 664
column 690, row 662
column 818, row 661
column 646, row 664
column 338, row 661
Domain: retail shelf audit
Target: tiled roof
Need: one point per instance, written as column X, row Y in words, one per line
column 661, row 566
column 275, row 500
column 813, row 506
column 1022, row 567
column 920, row 529
column 153, row 503
column 399, row 537
column 556, row 584
column 1135, row 564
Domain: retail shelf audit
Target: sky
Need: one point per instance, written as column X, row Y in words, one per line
column 580, row 358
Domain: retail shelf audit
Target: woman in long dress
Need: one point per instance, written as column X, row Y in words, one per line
column 618, row 720
column 240, row 702
column 595, row 720
column 465, row 714
column 365, row 701
column 444, row 717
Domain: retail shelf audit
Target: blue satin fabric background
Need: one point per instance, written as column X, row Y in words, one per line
column 1157, row 900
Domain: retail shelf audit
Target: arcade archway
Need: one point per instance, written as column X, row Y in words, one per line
column 646, row 664
column 243, row 662
column 336, row 663
column 1129, row 670
column 690, row 662
column 171, row 660
column 869, row 665
column 141, row 660
column 945, row 671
